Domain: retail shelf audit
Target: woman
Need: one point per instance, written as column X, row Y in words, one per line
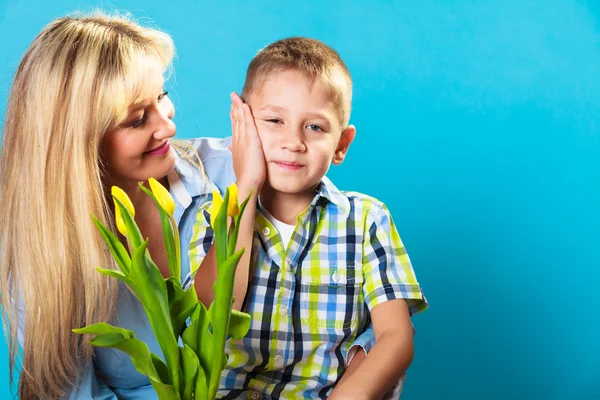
column 87, row 110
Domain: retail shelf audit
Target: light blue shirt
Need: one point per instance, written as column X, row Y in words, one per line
column 112, row 374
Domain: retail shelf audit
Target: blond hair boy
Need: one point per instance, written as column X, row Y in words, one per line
column 325, row 263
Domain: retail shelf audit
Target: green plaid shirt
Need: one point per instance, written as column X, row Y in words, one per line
column 310, row 300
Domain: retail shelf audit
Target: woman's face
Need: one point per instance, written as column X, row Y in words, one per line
column 139, row 147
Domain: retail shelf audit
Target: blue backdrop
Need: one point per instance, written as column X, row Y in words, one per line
column 477, row 125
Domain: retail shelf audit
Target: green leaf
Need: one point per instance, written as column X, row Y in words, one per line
column 190, row 366
column 165, row 392
column 107, row 340
column 199, row 338
column 201, row 390
column 116, row 274
column 143, row 361
column 181, row 303
column 220, row 312
column 181, row 318
column 115, row 246
column 172, row 286
column 171, row 247
column 133, row 232
column 161, row 368
column 239, row 324
column 102, row 328
column 220, row 230
column 151, row 290
column 137, row 350
column 236, row 226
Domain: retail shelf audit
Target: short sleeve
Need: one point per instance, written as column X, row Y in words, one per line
column 387, row 270
column 201, row 240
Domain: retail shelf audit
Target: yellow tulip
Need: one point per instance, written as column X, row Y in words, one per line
column 233, row 208
column 162, row 196
column 217, row 200
column 120, row 194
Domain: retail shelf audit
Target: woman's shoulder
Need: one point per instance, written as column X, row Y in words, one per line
column 211, row 147
column 215, row 158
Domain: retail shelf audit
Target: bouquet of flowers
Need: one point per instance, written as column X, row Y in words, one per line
column 191, row 371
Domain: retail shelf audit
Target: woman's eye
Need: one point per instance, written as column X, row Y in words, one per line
column 162, row 95
column 138, row 122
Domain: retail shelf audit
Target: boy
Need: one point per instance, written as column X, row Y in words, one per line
column 324, row 262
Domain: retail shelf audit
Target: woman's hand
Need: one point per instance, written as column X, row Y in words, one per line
column 248, row 157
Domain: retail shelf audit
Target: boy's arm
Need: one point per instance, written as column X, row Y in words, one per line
column 392, row 294
column 388, row 360
column 208, row 267
column 250, row 171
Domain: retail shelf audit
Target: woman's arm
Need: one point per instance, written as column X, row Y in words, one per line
column 89, row 387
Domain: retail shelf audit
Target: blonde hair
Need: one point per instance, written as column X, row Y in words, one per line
column 309, row 56
column 73, row 84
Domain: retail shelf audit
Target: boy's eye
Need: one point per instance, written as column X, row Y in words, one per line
column 314, row 127
column 162, row 95
column 274, row 120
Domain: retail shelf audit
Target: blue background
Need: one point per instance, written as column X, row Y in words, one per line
column 478, row 126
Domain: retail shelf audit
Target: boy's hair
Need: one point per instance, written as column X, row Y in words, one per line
column 311, row 57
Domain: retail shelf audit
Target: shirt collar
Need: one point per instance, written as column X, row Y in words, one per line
column 187, row 180
column 328, row 191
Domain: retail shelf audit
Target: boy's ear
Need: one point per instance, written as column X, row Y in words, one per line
column 346, row 139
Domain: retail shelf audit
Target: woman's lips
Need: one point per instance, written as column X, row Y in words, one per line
column 160, row 150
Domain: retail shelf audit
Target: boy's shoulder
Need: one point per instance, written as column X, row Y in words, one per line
column 362, row 197
column 360, row 204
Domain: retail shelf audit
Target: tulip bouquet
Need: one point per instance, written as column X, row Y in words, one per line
column 191, row 337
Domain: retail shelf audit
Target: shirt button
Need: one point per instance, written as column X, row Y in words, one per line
column 266, row 231
column 278, row 359
column 284, row 311
column 335, row 277
column 255, row 395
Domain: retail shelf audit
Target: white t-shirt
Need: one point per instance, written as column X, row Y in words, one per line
column 285, row 230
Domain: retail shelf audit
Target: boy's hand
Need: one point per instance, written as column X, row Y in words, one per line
column 248, row 157
column 388, row 360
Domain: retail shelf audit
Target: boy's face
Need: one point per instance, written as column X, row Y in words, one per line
column 300, row 131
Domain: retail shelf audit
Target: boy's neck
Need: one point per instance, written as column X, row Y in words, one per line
column 285, row 207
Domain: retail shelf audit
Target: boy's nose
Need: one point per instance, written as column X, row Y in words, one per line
column 292, row 140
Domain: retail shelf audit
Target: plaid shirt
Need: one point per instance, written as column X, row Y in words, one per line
column 310, row 301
